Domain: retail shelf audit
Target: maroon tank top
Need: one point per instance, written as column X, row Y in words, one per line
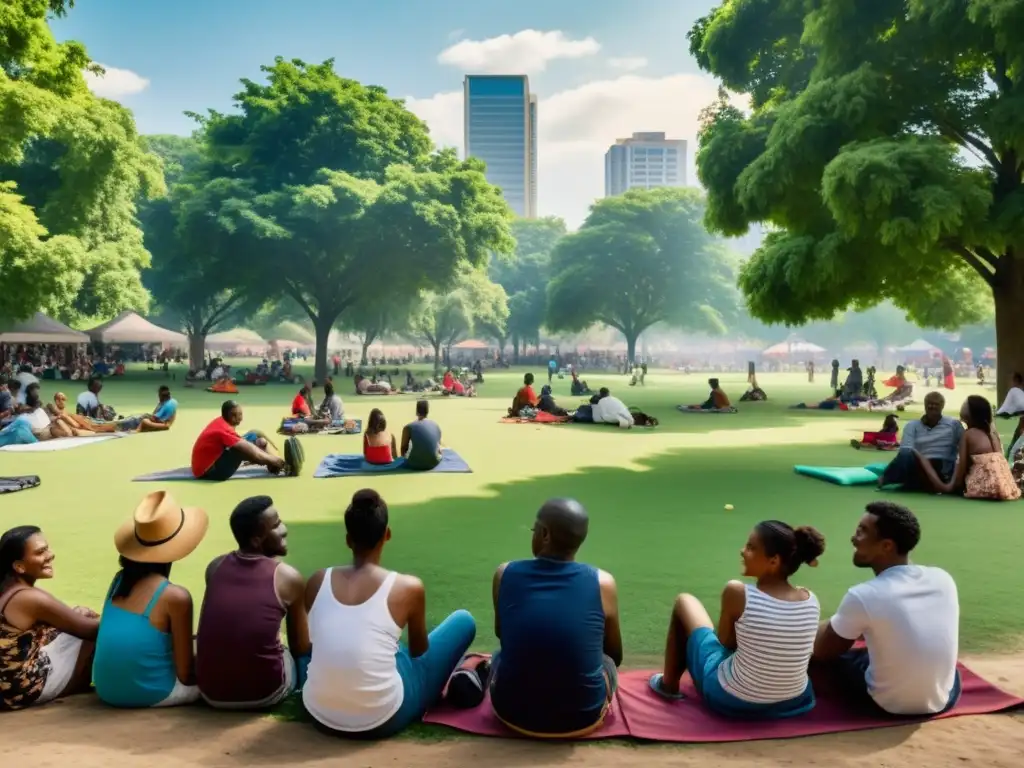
column 239, row 654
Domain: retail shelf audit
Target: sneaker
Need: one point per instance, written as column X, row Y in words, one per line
column 294, row 457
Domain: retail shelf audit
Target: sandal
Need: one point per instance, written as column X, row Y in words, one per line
column 655, row 684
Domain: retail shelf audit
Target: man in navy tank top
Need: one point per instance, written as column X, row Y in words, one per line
column 558, row 623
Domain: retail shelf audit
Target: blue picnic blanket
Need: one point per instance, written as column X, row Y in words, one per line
column 347, row 465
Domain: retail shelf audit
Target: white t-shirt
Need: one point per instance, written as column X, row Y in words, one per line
column 38, row 420
column 909, row 616
column 26, row 378
column 1014, row 402
column 611, row 410
column 88, row 401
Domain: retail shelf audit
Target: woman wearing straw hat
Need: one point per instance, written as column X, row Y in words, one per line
column 144, row 652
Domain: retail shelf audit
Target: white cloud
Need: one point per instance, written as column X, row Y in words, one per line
column 628, row 63
column 576, row 127
column 527, row 52
column 115, row 83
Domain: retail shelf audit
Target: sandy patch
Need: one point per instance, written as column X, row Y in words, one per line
column 83, row 733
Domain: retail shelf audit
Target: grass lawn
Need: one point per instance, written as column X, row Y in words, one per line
column 656, row 498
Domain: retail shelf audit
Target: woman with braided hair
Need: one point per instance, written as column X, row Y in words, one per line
column 755, row 664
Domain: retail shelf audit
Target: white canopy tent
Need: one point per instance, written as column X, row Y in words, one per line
column 130, row 328
column 40, row 329
column 236, row 338
column 793, row 347
column 920, row 347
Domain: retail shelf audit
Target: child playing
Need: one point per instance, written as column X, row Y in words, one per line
column 886, row 439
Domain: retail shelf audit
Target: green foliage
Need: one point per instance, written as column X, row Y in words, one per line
column 327, row 193
column 885, row 151
column 445, row 317
column 639, row 259
column 73, row 168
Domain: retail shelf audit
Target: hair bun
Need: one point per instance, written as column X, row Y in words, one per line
column 810, row 544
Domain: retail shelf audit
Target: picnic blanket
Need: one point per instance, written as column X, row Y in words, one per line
column 542, row 417
column 338, row 428
column 349, row 465
column 185, row 473
column 687, row 409
column 62, row 443
column 638, row 712
column 15, row 484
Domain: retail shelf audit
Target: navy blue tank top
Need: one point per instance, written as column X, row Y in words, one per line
column 549, row 677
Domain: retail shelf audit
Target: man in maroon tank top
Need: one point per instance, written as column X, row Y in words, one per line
column 240, row 660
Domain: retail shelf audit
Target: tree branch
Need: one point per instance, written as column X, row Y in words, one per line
column 982, row 267
column 980, row 149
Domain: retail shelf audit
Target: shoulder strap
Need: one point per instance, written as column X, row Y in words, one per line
column 6, row 599
column 156, row 596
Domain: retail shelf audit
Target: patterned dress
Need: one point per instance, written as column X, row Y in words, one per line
column 23, row 665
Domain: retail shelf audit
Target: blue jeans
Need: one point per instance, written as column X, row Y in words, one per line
column 704, row 655
column 424, row 678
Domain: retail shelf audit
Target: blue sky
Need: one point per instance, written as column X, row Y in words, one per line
column 602, row 68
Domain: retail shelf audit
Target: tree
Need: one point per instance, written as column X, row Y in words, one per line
column 884, row 148
column 374, row 318
column 639, row 259
column 338, row 197
column 524, row 278
column 71, row 170
column 444, row 318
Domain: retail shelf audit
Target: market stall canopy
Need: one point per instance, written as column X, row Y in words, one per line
column 919, row 346
column 237, row 337
column 469, row 344
column 793, row 347
column 40, row 329
column 130, row 328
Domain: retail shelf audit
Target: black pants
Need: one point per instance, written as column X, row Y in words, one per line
column 904, row 470
column 852, row 668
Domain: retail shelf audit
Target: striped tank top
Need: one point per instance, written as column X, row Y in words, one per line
column 774, row 641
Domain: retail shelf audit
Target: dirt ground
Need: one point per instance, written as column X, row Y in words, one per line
column 82, row 733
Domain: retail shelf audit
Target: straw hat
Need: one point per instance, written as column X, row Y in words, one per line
column 161, row 531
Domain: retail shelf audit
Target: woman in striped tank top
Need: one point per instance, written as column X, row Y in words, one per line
column 756, row 664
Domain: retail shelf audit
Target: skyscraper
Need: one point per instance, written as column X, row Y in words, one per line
column 501, row 129
column 644, row 161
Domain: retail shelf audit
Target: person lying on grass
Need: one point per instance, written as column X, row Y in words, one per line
column 144, row 651
column 558, row 624
column 362, row 681
column 755, row 664
column 219, row 451
column 46, row 648
column 607, row 409
column 43, row 426
column 160, row 420
column 421, row 440
column 240, row 661
column 717, row 399
column 934, row 439
column 908, row 615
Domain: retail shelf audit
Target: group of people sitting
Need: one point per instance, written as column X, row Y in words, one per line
column 941, row 454
column 307, row 416
column 25, row 418
column 602, row 408
column 556, row 619
column 420, row 442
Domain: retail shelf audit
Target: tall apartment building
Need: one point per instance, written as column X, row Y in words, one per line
column 644, row 161
column 500, row 123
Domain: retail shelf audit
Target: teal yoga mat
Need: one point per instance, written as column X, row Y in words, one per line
column 844, row 475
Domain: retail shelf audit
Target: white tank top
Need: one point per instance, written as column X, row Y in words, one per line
column 353, row 683
column 774, row 640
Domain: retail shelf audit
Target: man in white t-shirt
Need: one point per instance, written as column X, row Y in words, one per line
column 908, row 615
column 88, row 403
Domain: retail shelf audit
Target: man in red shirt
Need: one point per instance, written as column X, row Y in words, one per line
column 219, row 450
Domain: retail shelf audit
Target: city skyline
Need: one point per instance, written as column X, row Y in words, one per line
column 599, row 75
column 645, row 160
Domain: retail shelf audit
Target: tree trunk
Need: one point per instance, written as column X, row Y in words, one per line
column 631, row 347
column 322, row 325
column 196, row 351
column 437, row 358
column 366, row 349
column 1009, row 298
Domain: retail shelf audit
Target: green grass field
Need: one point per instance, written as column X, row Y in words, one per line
column 656, row 498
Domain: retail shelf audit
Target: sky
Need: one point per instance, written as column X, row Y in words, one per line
column 602, row 69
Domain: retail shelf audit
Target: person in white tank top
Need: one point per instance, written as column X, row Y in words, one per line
column 908, row 615
column 755, row 666
column 362, row 681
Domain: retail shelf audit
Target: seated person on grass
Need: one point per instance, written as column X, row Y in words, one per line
column 754, row 392
column 240, row 661
column 219, row 451
column 88, row 403
column 885, row 439
column 908, row 615
column 903, row 390
column 421, row 440
column 379, row 445
column 578, row 387
column 366, row 387
column 38, row 419
column 934, row 439
column 608, row 409
column 717, row 399
column 332, row 409
column 46, row 647
column 160, row 420
column 79, row 425
column 1013, row 405
column 547, row 403
column 525, row 397
column 302, row 405
column 362, row 680
column 6, row 401
column 755, row 665
column 144, row 651
column 558, row 623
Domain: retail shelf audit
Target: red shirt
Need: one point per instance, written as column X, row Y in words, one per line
column 527, row 395
column 211, row 443
column 299, row 406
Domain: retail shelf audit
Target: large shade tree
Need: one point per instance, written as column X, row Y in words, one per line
column 72, row 168
column 639, row 259
column 338, row 195
column 884, row 148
